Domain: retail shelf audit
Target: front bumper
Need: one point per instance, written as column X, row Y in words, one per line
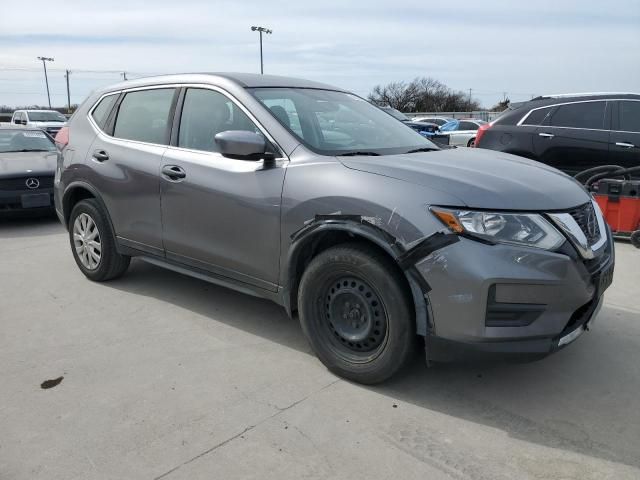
column 11, row 201
column 545, row 299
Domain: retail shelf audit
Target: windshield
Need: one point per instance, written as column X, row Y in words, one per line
column 25, row 141
column 450, row 126
column 46, row 117
column 338, row 123
column 397, row 114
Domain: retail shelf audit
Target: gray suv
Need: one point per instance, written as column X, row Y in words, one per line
column 310, row 196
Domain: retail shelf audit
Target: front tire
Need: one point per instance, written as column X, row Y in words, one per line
column 93, row 244
column 356, row 313
column 471, row 142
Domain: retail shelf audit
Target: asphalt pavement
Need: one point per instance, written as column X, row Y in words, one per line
column 165, row 376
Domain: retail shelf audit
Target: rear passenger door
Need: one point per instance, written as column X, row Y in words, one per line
column 575, row 137
column 625, row 135
column 124, row 163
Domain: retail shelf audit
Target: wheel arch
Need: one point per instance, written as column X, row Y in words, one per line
column 321, row 235
column 77, row 191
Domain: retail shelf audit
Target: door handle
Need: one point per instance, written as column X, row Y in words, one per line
column 546, row 135
column 100, row 155
column 174, row 172
column 625, row 144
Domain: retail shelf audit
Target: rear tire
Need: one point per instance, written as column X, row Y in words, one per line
column 635, row 239
column 356, row 313
column 93, row 243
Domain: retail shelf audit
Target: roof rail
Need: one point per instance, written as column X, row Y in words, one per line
column 585, row 94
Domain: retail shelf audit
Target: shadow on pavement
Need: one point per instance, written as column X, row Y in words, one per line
column 30, row 226
column 582, row 399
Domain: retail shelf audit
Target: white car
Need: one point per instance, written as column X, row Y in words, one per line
column 462, row 133
column 48, row 120
column 437, row 120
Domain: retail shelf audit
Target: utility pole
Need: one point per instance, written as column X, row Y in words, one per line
column 469, row 99
column 124, row 75
column 46, row 80
column 66, row 75
column 261, row 30
column 504, row 97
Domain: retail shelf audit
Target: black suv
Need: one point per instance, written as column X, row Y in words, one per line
column 570, row 132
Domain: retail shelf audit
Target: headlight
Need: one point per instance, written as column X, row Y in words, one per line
column 527, row 229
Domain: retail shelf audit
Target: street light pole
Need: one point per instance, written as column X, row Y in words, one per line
column 68, row 92
column 46, row 80
column 261, row 30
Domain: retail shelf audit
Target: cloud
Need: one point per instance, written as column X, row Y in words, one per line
column 493, row 46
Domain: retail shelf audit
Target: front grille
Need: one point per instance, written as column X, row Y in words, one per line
column 20, row 183
column 585, row 217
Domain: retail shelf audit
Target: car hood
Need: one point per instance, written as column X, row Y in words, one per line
column 19, row 164
column 48, row 124
column 480, row 178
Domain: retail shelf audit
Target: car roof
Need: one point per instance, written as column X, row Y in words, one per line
column 516, row 111
column 20, row 127
column 36, row 110
column 245, row 80
column 544, row 100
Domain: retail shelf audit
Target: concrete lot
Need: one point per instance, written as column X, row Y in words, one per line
column 169, row 377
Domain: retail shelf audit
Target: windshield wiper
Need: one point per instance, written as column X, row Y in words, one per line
column 423, row 149
column 29, row 150
column 356, row 154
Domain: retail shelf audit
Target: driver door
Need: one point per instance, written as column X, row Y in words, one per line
column 220, row 214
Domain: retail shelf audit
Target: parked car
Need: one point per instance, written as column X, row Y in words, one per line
column 48, row 120
column 462, row 133
column 437, row 120
column 27, row 166
column 429, row 130
column 370, row 231
column 570, row 132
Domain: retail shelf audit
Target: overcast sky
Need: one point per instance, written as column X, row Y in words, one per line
column 491, row 46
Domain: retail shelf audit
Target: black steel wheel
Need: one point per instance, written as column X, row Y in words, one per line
column 355, row 318
column 356, row 312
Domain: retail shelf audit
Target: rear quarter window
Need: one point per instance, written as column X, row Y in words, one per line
column 101, row 111
column 537, row 117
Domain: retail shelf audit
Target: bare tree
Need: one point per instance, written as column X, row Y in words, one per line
column 501, row 106
column 423, row 94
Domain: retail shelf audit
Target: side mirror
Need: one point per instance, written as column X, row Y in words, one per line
column 243, row 145
column 23, row 121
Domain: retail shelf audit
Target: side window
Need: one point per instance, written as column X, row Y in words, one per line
column 537, row 117
column 101, row 111
column 17, row 117
column 206, row 113
column 144, row 116
column 580, row 115
column 468, row 126
column 629, row 116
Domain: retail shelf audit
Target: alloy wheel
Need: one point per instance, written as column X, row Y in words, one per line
column 86, row 241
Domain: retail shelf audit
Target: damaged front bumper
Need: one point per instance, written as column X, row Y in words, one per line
column 510, row 302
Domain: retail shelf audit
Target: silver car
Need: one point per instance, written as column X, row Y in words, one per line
column 308, row 195
column 462, row 133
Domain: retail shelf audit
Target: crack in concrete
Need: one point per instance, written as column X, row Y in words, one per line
column 247, row 429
